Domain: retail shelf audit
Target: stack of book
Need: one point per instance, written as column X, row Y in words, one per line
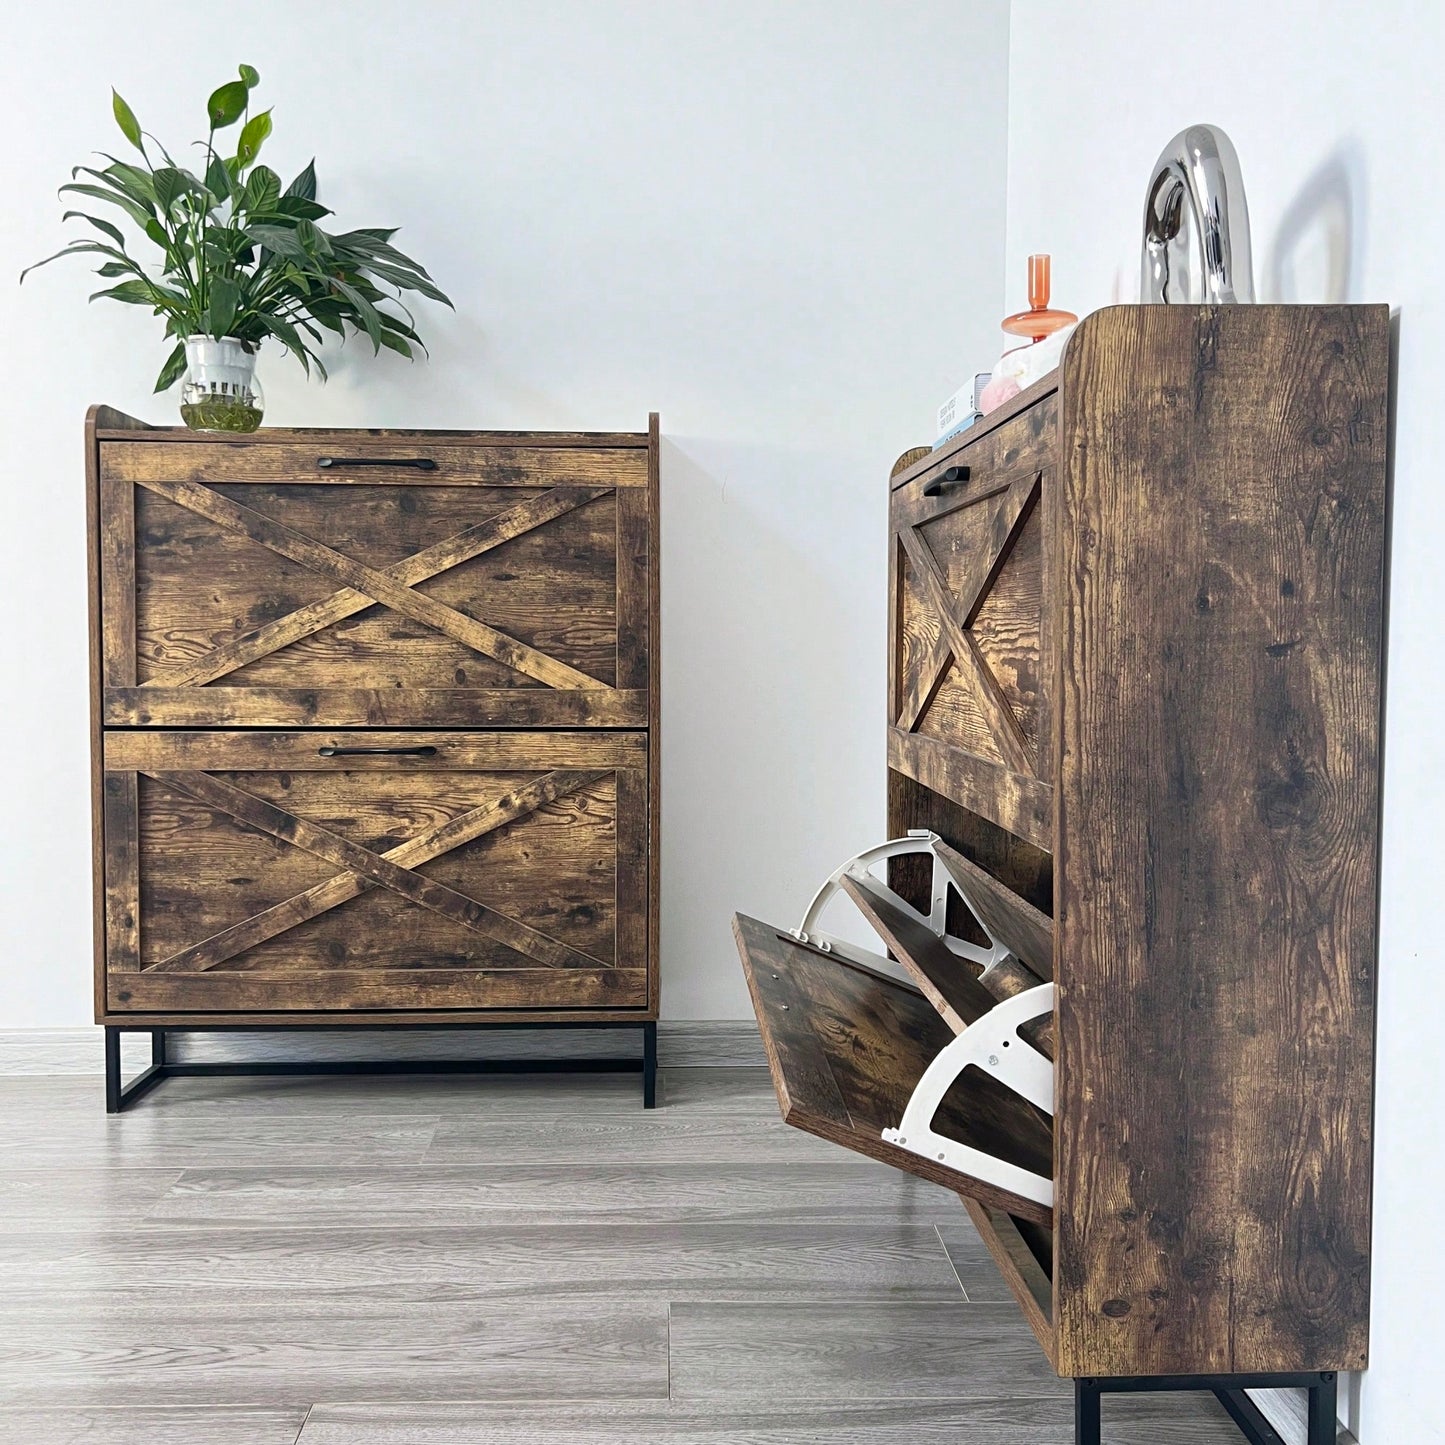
column 960, row 411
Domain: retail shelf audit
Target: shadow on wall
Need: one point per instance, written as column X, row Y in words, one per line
column 1317, row 254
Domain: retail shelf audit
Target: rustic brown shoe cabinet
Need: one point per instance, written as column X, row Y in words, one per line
column 1134, row 705
column 374, row 734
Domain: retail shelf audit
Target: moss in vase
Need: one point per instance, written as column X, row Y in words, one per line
column 221, row 414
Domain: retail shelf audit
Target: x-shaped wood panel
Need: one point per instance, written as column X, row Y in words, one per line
column 364, row 870
column 362, row 585
column 954, row 643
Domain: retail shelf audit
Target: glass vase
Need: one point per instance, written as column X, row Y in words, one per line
column 220, row 392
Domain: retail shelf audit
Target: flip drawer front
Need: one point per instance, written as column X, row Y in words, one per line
column 349, row 582
column 847, row 1045
column 971, row 650
column 316, row 871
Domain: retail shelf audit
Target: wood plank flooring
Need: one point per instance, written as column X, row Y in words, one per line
column 498, row 1261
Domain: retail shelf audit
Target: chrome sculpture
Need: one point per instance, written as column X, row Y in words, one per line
column 1196, row 223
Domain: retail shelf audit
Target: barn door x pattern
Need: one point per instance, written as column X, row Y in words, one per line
column 970, row 578
column 360, row 585
column 362, row 868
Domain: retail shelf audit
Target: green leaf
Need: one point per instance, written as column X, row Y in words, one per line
column 75, row 248
column 399, row 344
column 370, row 242
column 280, row 239
column 313, row 238
column 299, row 208
column 218, row 179
column 227, row 104
column 286, row 334
column 225, row 241
column 101, row 193
column 263, row 190
column 170, row 184
column 103, row 226
column 402, row 328
column 253, row 133
column 250, row 77
column 125, row 119
column 369, row 320
column 408, row 280
column 88, row 248
column 136, row 183
column 225, row 295
column 135, row 293
column 305, row 184
column 328, row 314
column 175, row 366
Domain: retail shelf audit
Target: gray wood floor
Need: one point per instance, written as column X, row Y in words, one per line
column 516, row 1261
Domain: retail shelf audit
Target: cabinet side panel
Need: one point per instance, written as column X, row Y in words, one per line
column 1221, row 556
column 654, row 714
column 97, row 838
column 97, row 419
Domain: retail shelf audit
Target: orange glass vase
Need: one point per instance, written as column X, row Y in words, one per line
column 1038, row 321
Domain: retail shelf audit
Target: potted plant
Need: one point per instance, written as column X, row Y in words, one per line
column 240, row 259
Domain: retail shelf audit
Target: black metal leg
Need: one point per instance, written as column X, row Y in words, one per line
column 117, row 1095
column 1324, row 1411
column 1087, row 1429
column 1250, row 1419
column 1228, row 1389
column 112, row 1071
column 649, row 1070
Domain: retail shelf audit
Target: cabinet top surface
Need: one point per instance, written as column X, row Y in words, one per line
column 114, row 426
column 1051, row 382
column 980, row 429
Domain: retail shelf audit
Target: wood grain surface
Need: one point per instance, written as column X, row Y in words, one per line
column 1221, row 552
column 1021, row 805
column 968, row 581
column 377, row 595
column 254, row 871
column 244, row 589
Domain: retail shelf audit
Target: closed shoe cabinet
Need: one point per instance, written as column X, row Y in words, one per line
column 1123, row 996
column 374, row 729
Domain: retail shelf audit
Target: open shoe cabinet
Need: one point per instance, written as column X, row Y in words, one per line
column 374, row 734
column 1134, row 701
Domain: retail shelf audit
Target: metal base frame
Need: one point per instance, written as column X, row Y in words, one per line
column 119, row 1096
column 1230, row 1392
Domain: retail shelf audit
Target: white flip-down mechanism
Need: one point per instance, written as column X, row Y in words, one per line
column 992, row 1043
column 861, row 866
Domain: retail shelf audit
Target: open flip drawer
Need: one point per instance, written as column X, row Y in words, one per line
column 848, row 1045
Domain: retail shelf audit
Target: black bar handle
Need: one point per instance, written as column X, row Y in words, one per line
column 949, row 477
column 422, row 464
column 425, row 751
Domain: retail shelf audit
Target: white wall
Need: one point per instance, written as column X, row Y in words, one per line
column 751, row 217
column 1336, row 112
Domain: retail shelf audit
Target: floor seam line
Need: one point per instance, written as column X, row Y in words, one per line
column 943, row 1245
column 304, row 1419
